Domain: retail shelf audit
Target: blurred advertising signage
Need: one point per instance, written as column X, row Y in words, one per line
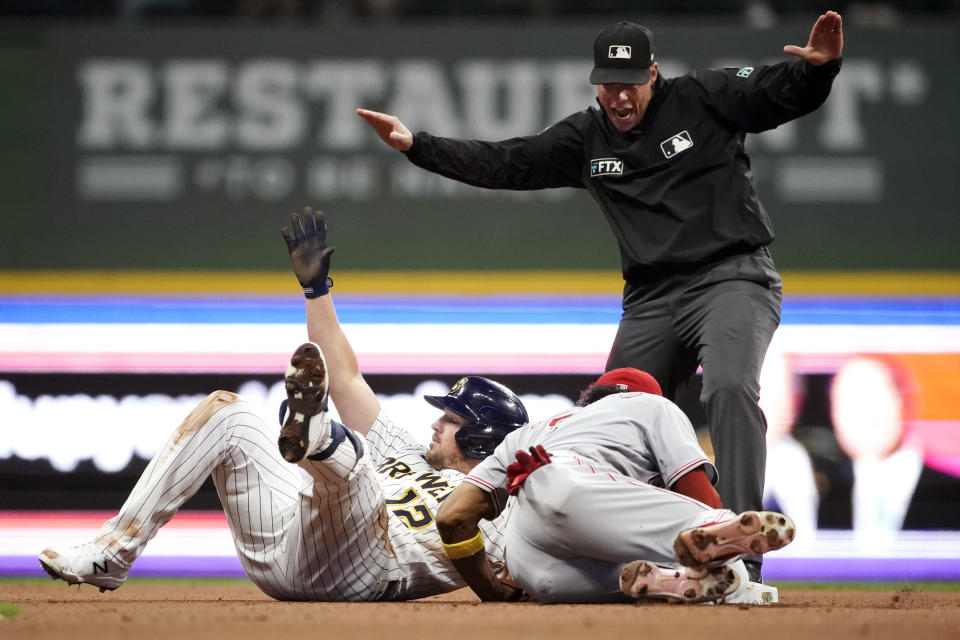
column 273, row 117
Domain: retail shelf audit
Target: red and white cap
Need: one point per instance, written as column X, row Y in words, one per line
column 630, row 379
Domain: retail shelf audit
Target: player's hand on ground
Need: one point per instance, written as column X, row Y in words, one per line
column 309, row 252
column 825, row 43
column 389, row 128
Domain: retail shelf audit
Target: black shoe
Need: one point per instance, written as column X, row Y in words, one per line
column 753, row 569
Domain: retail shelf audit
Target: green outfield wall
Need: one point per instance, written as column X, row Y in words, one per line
column 187, row 147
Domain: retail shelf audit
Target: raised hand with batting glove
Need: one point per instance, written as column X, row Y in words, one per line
column 309, row 252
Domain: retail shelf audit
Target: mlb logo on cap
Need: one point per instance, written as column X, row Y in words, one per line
column 622, row 54
column 620, row 51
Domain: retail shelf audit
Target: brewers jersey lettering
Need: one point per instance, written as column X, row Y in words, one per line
column 412, row 491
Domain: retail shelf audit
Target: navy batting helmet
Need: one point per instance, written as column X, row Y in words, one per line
column 491, row 410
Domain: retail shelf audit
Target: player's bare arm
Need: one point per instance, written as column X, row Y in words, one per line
column 825, row 43
column 696, row 484
column 389, row 128
column 457, row 521
column 306, row 239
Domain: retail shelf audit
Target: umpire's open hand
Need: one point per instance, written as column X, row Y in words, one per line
column 825, row 43
column 309, row 253
column 389, row 128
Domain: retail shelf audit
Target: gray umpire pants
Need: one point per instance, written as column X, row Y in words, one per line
column 721, row 316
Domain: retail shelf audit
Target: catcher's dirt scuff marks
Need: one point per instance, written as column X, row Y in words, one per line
column 202, row 413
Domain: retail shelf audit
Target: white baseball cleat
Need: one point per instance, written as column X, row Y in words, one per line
column 83, row 564
column 755, row 593
column 752, row 532
column 644, row 580
column 307, row 384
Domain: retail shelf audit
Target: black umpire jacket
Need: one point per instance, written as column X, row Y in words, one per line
column 676, row 189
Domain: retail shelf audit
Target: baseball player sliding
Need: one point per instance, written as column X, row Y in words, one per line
column 593, row 521
column 329, row 511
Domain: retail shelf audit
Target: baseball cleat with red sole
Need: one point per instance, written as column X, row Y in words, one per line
column 307, row 385
column 644, row 580
column 752, row 532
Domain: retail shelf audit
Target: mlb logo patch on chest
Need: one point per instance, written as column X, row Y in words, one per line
column 677, row 143
column 606, row 167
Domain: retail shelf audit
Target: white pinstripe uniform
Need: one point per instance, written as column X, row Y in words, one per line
column 599, row 504
column 351, row 528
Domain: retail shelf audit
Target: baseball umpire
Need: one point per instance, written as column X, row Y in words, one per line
column 664, row 158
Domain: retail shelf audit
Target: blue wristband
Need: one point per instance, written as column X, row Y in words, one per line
column 316, row 292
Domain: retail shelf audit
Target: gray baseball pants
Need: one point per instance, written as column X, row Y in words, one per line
column 722, row 317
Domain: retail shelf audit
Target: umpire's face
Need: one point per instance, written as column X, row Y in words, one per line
column 625, row 104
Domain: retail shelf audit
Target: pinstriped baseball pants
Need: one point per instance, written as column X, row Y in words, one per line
column 317, row 531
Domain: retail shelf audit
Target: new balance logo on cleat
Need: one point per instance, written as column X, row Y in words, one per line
column 83, row 564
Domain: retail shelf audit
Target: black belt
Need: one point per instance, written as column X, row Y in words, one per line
column 643, row 273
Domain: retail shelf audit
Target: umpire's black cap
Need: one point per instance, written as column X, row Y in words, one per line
column 622, row 54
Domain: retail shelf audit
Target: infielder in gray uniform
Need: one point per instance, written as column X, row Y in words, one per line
column 664, row 159
column 594, row 520
column 329, row 511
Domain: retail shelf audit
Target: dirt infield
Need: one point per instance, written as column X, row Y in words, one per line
column 215, row 610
